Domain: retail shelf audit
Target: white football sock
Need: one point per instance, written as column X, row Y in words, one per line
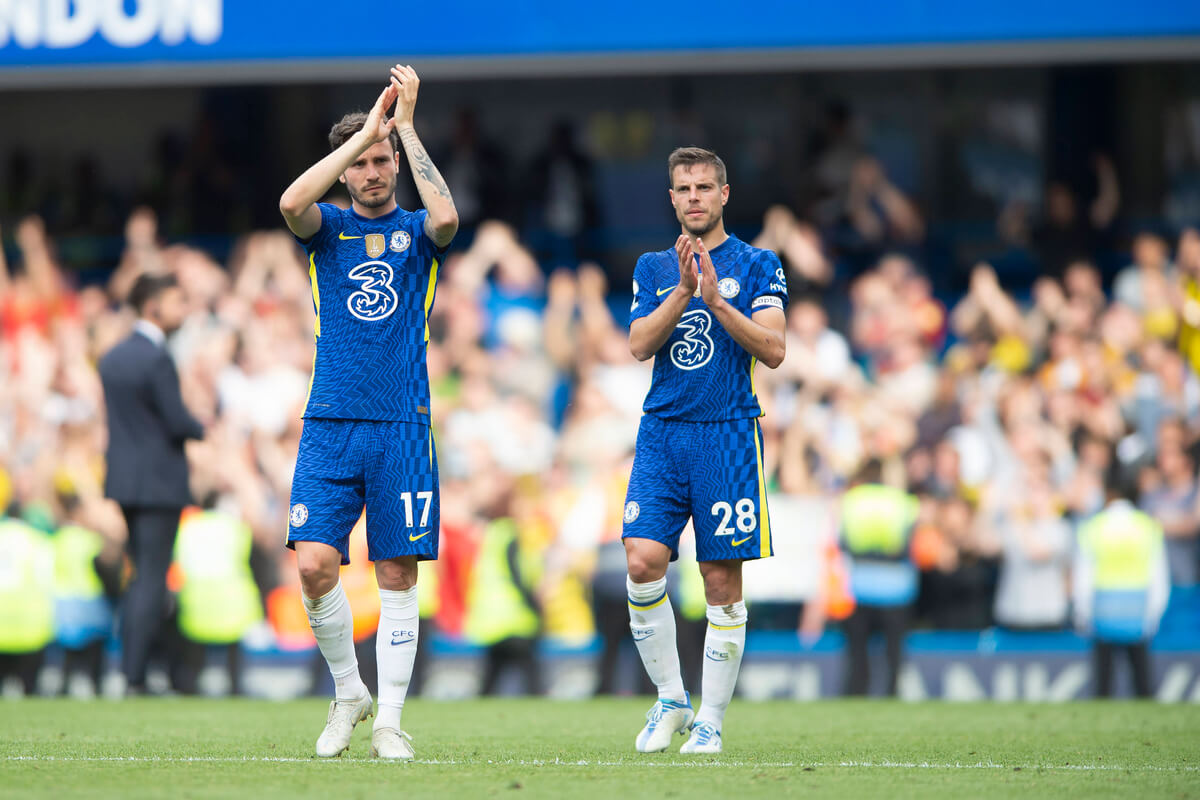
column 723, row 646
column 396, row 651
column 652, row 621
column 333, row 624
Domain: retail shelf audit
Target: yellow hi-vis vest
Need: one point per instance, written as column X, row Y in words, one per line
column 877, row 520
column 876, row 526
column 219, row 600
column 1122, row 546
column 82, row 614
column 75, row 551
column 495, row 608
column 26, row 588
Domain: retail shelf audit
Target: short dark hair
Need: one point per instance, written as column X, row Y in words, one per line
column 351, row 124
column 1119, row 481
column 692, row 156
column 147, row 287
column 870, row 472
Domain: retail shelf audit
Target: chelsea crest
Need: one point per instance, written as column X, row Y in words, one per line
column 400, row 241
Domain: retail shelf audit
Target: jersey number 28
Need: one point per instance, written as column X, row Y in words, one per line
column 747, row 520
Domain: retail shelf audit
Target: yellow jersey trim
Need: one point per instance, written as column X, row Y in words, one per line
column 316, row 295
column 764, row 519
column 429, row 296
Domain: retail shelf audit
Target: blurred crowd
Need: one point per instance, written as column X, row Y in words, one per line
column 1002, row 410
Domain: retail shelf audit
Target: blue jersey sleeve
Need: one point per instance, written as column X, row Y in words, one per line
column 645, row 293
column 331, row 216
column 770, row 290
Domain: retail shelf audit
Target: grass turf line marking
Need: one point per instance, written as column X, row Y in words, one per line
column 622, row 763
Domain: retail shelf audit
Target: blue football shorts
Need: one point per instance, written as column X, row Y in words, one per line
column 390, row 468
column 710, row 471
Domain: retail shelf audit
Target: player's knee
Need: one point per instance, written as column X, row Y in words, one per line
column 318, row 572
column 722, row 582
column 643, row 569
column 396, row 574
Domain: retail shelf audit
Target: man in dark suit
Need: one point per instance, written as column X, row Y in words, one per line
column 147, row 468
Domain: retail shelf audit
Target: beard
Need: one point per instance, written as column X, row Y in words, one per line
column 373, row 202
column 699, row 227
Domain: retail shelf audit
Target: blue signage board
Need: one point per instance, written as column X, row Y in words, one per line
column 64, row 33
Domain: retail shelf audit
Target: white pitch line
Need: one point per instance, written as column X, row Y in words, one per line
column 623, row 763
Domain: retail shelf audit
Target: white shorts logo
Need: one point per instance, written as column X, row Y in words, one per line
column 631, row 512
column 728, row 288
column 299, row 515
column 400, row 241
column 375, row 299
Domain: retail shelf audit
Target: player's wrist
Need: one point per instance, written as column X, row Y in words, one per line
column 361, row 140
column 717, row 304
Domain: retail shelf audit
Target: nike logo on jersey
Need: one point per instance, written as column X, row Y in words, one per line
column 738, row 542
column 661, row 292
column 344, row 237
column 412, row 538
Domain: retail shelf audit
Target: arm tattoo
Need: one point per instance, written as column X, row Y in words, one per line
column 422, row 164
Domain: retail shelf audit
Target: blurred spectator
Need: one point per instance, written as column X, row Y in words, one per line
column 958, row 580
column 218, row 599
column 502, row 613
column 87, row 575
column 26, row 602
column 476, row 173
column 1031, row 593
column 1175, row 504
column 876, row 526
column 561, row 202
column 147, row 468
column 799, row 247
column 1068, row 233
column 1121, row 586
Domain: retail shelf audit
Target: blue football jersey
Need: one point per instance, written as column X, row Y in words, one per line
column 701, row 374
column 373, row 283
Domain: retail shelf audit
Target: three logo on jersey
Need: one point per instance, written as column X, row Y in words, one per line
column 696, row 347
column 375, row 299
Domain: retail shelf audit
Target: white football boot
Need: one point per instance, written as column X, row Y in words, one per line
column 339, row 725
column 664, row 719
column 705, row 738
column 391, row 744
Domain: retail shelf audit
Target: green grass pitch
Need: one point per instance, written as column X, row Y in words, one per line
column 195, row 748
